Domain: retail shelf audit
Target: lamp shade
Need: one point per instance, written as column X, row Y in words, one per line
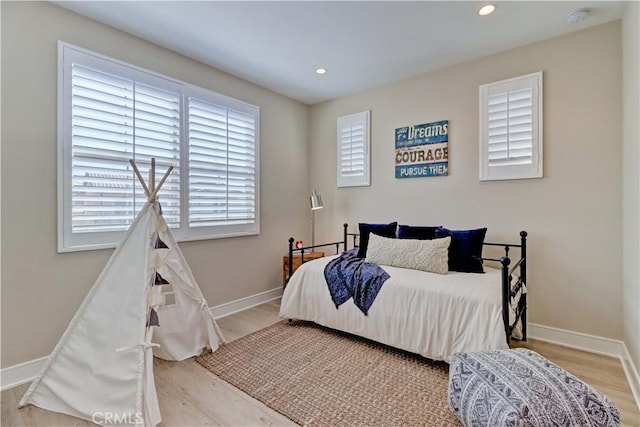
column 316, row 201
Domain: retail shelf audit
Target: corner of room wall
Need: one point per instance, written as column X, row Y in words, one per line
column 0, row 199
column 631, row 179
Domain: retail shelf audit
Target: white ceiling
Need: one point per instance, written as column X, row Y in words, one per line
column 362, row 44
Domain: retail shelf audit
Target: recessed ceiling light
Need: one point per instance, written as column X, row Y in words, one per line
column 321, row 71
column 486, row 10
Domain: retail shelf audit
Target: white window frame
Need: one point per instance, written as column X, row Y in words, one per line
column 363, row 179
column 71, row 242
column 534, row 169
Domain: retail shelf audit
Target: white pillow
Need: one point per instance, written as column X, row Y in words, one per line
column 425, row 255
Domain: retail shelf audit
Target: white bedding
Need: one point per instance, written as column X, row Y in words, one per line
column 426, row 313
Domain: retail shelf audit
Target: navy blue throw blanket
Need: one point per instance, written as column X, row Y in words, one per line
column 351, row 277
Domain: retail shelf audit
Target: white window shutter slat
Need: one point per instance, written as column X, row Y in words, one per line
column 511, row 128
column 113, row 120
column 222, row 165
column 157, row 135
column 111, row 112
column 101, row 144
column 353, row 150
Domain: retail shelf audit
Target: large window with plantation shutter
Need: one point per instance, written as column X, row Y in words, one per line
column 511, row 128
column 353, row 150
column 110, row 112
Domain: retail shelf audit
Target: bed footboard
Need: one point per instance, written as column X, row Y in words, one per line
column 512, row 289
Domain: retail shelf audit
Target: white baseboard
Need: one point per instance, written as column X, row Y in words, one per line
column 232, row 307
column 576, row 340
column 632, row 374
column 23, row 373
column 591, row 344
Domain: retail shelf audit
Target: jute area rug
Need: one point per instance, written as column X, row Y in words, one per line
column 320, row 377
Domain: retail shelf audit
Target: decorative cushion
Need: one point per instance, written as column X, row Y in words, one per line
column 425, row 255
column 384, row 230
column 521, row 388
column 413, row 232
column 465, row 251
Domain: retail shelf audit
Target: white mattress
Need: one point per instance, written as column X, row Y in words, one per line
column 426, row 313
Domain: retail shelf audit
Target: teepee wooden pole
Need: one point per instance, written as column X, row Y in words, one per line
column 164, row 178
column 152, row 176
column 140, row 178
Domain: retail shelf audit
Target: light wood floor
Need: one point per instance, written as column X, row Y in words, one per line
column 190, row 395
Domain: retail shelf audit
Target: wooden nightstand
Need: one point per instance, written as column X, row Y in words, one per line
column 297, row 262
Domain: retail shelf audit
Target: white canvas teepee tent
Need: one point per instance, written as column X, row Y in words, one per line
column 102, row 367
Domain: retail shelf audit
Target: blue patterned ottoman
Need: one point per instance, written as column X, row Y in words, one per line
column 521, row 388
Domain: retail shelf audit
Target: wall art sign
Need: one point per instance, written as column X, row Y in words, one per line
column 422, row 150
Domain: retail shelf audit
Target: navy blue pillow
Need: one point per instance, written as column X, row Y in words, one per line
column 465, row 249
column 418, row 233
column 384, row 230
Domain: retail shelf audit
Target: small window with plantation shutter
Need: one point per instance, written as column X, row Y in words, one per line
column 111, row 112
column 353, row 150
column 511, row 128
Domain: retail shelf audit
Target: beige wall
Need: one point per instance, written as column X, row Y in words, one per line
column 573, row 214
column 631, row 179
column 41, row 289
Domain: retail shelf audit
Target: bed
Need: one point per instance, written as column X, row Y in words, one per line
column 430, row 314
